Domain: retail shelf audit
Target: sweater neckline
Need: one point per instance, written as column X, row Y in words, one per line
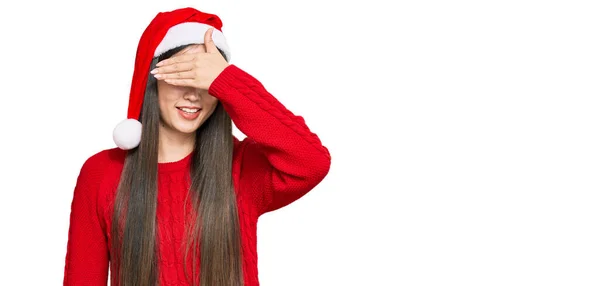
column 178, row 165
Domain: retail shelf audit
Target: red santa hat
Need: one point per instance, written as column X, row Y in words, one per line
column 166, row 31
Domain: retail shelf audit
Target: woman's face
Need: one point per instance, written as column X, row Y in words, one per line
column 184, row 109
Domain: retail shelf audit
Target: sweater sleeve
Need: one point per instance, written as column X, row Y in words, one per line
column 87, row 257
column 288, row 158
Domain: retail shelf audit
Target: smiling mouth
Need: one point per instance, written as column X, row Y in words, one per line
column 189, row 110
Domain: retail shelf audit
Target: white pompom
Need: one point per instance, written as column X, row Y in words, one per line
column 128, row 134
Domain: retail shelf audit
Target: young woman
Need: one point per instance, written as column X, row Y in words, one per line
column 177, row 201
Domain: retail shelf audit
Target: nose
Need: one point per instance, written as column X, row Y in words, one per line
column 191, row 94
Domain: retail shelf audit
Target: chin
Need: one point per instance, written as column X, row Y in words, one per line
column 187, row 127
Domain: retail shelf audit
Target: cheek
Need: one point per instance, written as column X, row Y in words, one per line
column 163, row 103
column 167, row 96
column 209, row 101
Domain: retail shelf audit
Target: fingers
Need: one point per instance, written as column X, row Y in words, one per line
column 209, row 43
column 176, row 75
column 173, row 68
column 182, row 58
column 181, row 82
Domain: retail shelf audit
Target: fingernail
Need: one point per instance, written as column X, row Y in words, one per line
column 154, row 71
column 159, row 64
column 157, row 76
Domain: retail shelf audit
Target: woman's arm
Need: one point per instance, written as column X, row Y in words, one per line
column 87, row 258
column 278, row 143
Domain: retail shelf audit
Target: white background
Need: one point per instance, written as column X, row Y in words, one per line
column 463, row 134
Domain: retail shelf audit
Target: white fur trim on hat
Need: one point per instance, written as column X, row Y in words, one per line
column 191, row 33
column 128, row 134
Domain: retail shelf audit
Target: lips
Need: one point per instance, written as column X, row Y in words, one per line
column 189, row 109
column 189, row 112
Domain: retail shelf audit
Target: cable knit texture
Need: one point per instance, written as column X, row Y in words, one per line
column 279, row 161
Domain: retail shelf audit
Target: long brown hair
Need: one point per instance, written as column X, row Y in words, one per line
column 215, row 228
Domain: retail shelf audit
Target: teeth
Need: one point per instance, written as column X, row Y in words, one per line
column 189, row 110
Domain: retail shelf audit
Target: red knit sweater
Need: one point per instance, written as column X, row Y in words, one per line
column 278, row 162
